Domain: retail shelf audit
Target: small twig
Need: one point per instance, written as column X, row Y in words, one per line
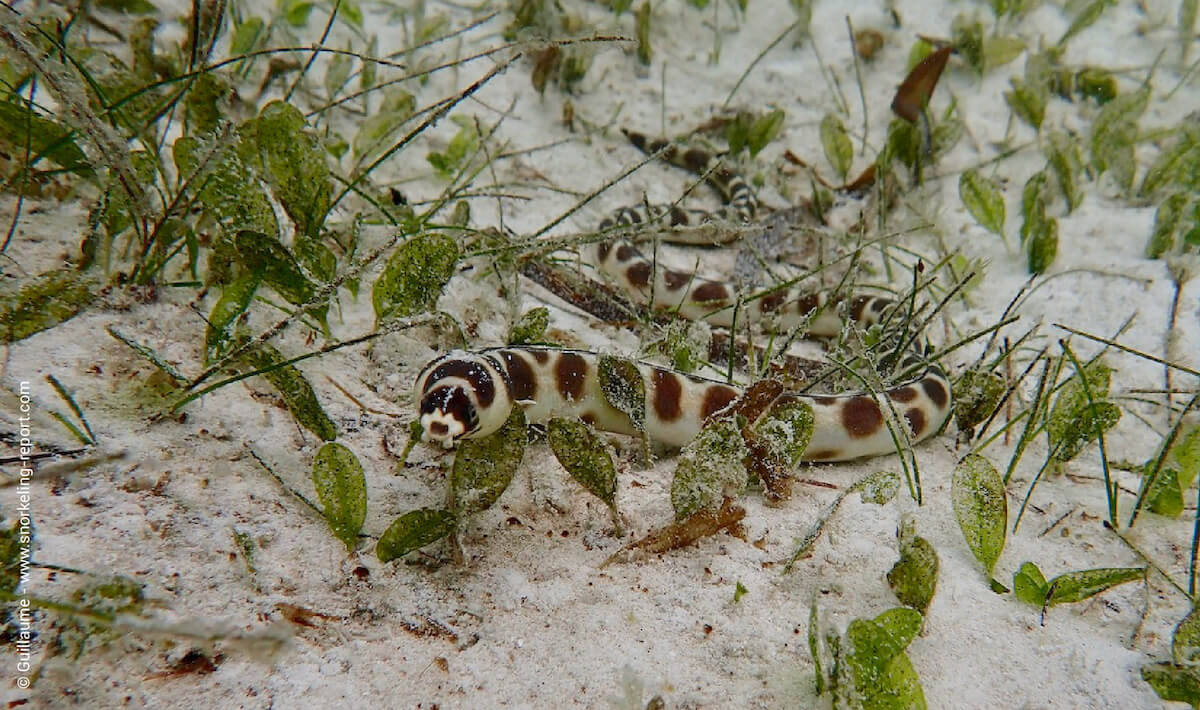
column 1055, row 524
column 774, row 43
column 358, row 403
column 862, row 97
column 1130, row 350
column 297, row 494
column 337, row 5
column 1144, row 558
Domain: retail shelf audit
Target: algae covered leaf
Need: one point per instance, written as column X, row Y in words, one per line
column 43, row 302
column 777, row 440
column 1174, row 682
column 883, row 676
column 413, row 530
column 1185, row 640
column 623, row 388
column 1080, row 413
column 1115, row 135
column 1029, row 584
column 983, row 200
column 1076, row 586
column 913, row 578
column 531, row 328
column 483, row 468
column 585, row 456
column 981, row 506
column 414, row 276
column 295, row 166
column 20, row 127
column 977, row 393
column 342, row 489
column 710, row 469
column 280, row 270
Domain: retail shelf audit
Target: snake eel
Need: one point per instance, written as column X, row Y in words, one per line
column 470, row 394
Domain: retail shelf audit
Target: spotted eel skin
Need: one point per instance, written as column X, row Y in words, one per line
column 464, row 395
column 471, row 394
column 740, row 203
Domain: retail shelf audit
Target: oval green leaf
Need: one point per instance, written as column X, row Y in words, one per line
column 376, row 132
column 483, row 468
column 998, row 51
column 880, row 488
column 1177, row 166
column 901, row 626
column 531, row 328
column 1043, row 245
column 786, row 429
column 1028, row 101
column 294, row 165
column 1169, row 219
column 883, row 675
column 976, row 395
column 1185, row 641
column 1077, row 586
column 983, row 200
column 981, row 506
column 710, row 469
column 1166, row 495
column 764, row 130
column 1115, row 133
column 228, row 188
column 414, row 276
column 1085, row 17
column 316, row 257
column 1034, row 196
column 623, row 387
column 235, row 299
column 21, row 128
column 280, row 270
column 342, row 489
column 43, row 302
column 1029, row 584
column 1185, row 452
column 1174, row 682
column 913, row 578
column 1062, row 155
column 246, row 36
column 1080, row 414
column 585, row 456
column 836, row 142
column 413, row 530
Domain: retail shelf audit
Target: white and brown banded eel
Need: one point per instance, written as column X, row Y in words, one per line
column 697, row 298
column 740, row 204
column 465, row 395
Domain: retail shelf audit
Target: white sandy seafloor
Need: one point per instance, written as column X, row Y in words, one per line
column 531, row 620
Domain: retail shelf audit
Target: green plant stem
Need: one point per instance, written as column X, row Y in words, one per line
column 1148, row 481
column 281, row 364
column 1131, row 351
column 1110, row 486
